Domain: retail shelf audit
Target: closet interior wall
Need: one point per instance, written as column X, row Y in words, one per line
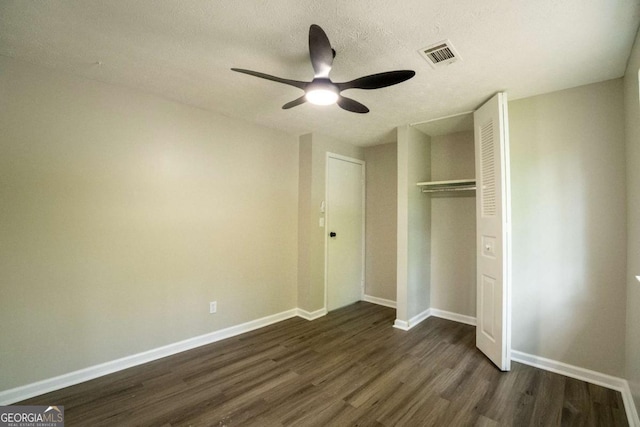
column 436, row 231
column 453, row 226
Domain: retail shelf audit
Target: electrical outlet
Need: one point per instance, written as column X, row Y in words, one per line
column 213, row 307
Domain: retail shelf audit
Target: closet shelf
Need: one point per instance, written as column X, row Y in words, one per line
column 453, row 185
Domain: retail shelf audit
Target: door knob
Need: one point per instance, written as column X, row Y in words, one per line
column 332, row 234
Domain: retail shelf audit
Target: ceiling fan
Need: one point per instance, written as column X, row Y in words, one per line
column 321, row 90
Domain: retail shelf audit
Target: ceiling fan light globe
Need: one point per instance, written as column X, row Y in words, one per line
column 322, row 96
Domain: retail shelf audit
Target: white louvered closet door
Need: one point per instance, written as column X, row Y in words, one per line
column 493, row 311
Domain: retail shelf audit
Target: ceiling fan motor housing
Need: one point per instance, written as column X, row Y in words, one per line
column 322, row 92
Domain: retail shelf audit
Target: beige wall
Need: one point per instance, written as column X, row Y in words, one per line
column 453, row 226
column 569, row 233
column 414, row 223
column 122, row 215
column 306, row 212
column 311, row 237
column 632, row 128
column 381, row 222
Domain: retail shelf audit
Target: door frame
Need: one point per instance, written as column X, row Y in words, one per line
column 362, row 163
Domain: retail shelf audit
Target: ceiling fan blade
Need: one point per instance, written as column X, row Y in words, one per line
column 351, row 105
column 320, row 51
column 377, row 81
column 295, row 102
column 296, row 83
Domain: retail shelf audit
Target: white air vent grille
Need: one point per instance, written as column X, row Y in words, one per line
column 439, row 54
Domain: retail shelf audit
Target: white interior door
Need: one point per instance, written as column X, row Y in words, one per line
column 493, row 331
column 345, row 231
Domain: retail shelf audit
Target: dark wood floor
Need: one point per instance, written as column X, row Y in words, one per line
column 348, row 368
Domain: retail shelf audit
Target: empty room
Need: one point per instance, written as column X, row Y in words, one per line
column 319, row 213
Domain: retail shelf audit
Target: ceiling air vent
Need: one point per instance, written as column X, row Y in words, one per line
column 440, row 54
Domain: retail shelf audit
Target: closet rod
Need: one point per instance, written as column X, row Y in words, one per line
column 438, row 190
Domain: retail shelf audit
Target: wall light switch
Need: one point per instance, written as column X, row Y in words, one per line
column 213, row 307
column 321, row 222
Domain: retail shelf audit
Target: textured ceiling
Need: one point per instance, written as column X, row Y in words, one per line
column 183, row 50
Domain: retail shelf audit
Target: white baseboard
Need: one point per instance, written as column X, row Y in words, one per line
column 311, row 315
column 17, row 394
column 419, row 318
column 568, row 370
column 379, row 301
column 414, row 321
column 630, row 406
column 604, row 380
column 401, row 324
column 460, row 318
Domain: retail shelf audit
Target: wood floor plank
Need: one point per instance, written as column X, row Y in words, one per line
column 547, row 409
column 349, row 368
